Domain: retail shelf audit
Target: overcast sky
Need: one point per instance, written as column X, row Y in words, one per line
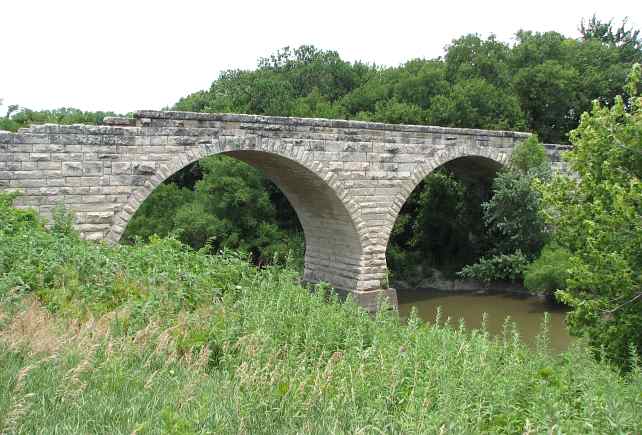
column 124, row 55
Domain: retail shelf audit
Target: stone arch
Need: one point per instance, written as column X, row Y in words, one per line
column 499, row 157
column 335, row 234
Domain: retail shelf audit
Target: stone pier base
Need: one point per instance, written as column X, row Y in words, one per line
column 371, row 299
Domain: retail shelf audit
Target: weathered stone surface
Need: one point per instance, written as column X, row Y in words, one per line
column 347, row 179
column 72, row 168
column 144, row 168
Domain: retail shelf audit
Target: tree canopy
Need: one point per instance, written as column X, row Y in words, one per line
column 541, row 83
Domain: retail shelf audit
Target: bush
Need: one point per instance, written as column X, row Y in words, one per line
column 502, row 267
column 80, row 278
column 439, row 227
column 529, row 156
column 232, row 206
column 549, row 272
column 20, row 117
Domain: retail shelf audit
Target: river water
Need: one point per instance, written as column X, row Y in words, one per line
column 526, row 311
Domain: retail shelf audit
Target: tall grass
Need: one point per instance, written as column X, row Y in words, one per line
column 158, row 338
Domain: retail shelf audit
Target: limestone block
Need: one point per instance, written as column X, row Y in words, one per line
column 72, row 168
column 121, row 168
column 92, row 168
column 144, row 168
column 40, row 157
column 27, row 183
column 94, row 235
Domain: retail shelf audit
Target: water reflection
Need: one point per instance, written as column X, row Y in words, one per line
column 526, row 311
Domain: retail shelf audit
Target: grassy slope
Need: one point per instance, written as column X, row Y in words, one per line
column 158, row 338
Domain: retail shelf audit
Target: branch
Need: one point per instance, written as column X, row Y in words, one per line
column 638, row 296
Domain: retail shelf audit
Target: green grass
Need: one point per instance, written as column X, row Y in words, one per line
column 159, row 338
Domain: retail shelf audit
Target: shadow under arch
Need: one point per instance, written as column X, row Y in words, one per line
column 475, row 169
column 484, row 157
column 333, row 242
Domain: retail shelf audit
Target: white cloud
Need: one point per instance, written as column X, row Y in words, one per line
column 124, row 55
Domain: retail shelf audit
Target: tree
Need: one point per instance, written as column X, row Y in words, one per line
column 231, row 206
column 548, row 93
column 157, row 213
column 18, row 117
column 437, row 228
column 471, row 57
column 515, row 229
column 477, row 103
column 598, row 219
column 628, row 40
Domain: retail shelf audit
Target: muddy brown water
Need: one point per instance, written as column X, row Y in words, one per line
column 526, row 311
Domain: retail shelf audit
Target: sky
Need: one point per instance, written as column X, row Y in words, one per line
column 126, row 55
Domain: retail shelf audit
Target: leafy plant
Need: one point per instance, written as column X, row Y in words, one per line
column 232, row 206
column 515, row 229
column 502, row 267
column 598, row 219
column 549, row 272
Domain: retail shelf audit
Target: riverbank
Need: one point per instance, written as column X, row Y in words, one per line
column 435, row 279
column 160, row 338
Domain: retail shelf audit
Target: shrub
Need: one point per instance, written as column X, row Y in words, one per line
column 502, row 267
column 529, row 156
column 549, row 272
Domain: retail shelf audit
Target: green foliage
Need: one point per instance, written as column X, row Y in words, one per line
column 549, row 272
column 79, row 278
column 530, row 157
column 514, row 227
column 557, row 84
column 556, row 78
column 476, row 103
column 512, row 216
column 63, row 221
column 232, row 206
column 470, row 57
column 598, row 219
column 542, row 83
column 441, row 226
column 18, row 117
column 628, row 39
column 157, row 213
column 15, row 220
column 501, row 267
column 438, row 227
column 162, row 338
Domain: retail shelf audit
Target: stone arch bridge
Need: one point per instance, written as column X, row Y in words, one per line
column 346, row 180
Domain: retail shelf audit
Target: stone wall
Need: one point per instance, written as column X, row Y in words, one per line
column 347, row 180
